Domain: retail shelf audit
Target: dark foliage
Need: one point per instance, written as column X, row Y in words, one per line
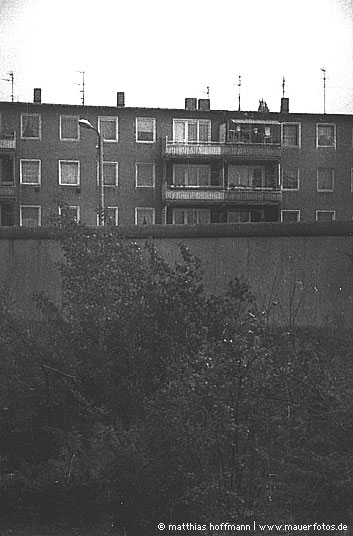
column 141, row 399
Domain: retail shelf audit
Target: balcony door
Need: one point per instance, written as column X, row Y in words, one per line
column 191, row 131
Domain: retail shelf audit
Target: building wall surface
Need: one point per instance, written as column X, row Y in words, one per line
column 299, row 273
column 307, row 158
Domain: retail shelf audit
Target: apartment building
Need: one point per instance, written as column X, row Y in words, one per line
column 173, row 166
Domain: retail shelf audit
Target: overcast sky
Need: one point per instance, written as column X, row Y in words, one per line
column 160, row 52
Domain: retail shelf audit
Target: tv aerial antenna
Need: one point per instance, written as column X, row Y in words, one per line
column 82, row 90
column 239, row 86
column 11, row 79
column 324, row 80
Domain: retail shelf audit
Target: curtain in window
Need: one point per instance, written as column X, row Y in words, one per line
column 30, row 216
column 69, row 128
column 108, row 129
column 69, row 173
column 145, row 174
column 203, row 132
column 30, row 126
column 109, row 172
column 179, row 131
column 30, row 172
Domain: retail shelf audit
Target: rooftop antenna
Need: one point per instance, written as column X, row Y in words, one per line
column 324, row 78
column 239, row 86
column 82, row 90
column 11, row 79
column 208, row 92
column 283, row 86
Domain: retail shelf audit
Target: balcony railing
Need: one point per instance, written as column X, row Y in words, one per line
column 236, row 196
column 8, row 140
column 220, row 149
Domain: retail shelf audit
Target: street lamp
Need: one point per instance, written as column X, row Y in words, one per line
column 84, row 123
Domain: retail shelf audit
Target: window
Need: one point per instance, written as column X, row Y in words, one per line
column 290, row 179
column 191, row 216
column 326, row 135
column 239, row 216
column 30, row 172
column 69, row 129
column 145, row 175
column 31, row 127
column 325, row 215
column 248, row 131
column 6, row 170
column 6, row 213
column 245, row 216
column 30, row 216
column 325, row 180
column 290, row 215
column 247, row 177
column 144, row 216
column 145, row 130
column 110, row 173
column 191, row 130
column 352, row 180
column 291, row 134
column 69, row 173
column 108, row 127
column 72, row 213
column 111, row 215
column 191, row 175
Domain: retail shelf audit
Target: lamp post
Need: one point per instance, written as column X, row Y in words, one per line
column 84, row 123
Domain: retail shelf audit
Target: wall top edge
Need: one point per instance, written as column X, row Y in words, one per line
column 192, row 231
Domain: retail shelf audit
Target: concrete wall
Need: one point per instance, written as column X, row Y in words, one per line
column 301, row 272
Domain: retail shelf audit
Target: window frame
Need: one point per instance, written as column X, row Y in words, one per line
column 65, row 116
column 332, row 177
column 145, row 208
column 291, row 123
column 352, row 179
column 76, row 185
column 298, row 180
column 192, row 120
column 116, row 215
column 153, row 119
column 39, row 214
column 325, row 211
column 153, row 164
column 37, row 160
column 101, row 118
column 12, row 176
column 184, row 209
column 297, row 211
column 70, row 207
column 39, row 116
column 116, row 174
column 186, row 175
column 333, row 146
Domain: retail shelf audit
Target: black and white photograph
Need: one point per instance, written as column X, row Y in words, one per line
column 176, row 268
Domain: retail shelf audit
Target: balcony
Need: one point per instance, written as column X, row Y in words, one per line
column 222, row 150
column 236, row 196
column 8, row 141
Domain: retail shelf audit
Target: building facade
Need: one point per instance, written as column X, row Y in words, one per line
column 174, row 166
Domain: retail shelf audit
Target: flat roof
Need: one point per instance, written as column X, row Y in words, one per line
column 236, row 113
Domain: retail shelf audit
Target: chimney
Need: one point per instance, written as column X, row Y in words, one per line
column 284, row 105
column 37, row 95
column 204, row 105
column 120, row 99
column 190, row 104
